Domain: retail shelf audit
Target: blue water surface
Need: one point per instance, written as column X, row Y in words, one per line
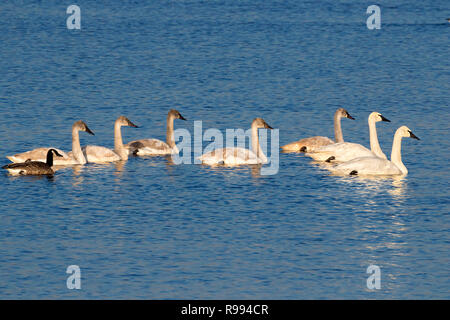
column 148, row 229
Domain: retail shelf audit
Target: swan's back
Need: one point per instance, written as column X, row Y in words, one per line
column 308, row 144
column 231, row 157
column 99, row 154
column 367, row 166
column 149, row 147
column 343, row 151
column 39, row 154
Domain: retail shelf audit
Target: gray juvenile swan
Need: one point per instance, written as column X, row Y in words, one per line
column 346, row 151
column 40, row 154
column 239, row 156
column 151, row 147
column 98, row 154
column 310, row 144
column 375, row 165
column 33, row 167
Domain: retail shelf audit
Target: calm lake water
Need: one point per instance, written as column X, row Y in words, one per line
column 150, row 229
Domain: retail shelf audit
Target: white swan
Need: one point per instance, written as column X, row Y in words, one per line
column 310, row 144
column 239, row 156
column 71, row 158
column 375, row 165
column 346, row 151
column 146, row 147
column 98, row 154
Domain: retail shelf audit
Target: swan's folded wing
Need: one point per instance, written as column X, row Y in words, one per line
column 366, row 166
column 149, row 147
column 39, row 154
column 99, row 154
column 343, row 151
column 230, row 156
column 311, row 144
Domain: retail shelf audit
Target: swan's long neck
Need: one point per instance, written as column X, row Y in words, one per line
column 256, row 148
column 118, row 143
column 396, row 155
column 374, row 144
column 76, row 147
column 170, row 139
column 337, row 128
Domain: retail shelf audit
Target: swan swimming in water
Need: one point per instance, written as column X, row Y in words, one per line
column 310, row 144
column 98, row 154
column 33, row 167
column 346, row 151
column 40, row 154
column 150, row 147
column 375, row 165
column 239, row 156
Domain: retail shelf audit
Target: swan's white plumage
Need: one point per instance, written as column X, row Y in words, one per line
column 367, row 166
column 377, row 165
column 146, row 147
column 312, row 143
column 346, row 151
column 156, row 147
column 98, row 154
column 231, row 157
column 40, row 154
column 235, row 156
column 341, row 152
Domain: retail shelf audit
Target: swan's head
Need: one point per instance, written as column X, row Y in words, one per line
column 81, row 126
column 123, row 121
column 260, row 124
column 377, row 117
column 405, row 132
column 344, row 113
column 176, row 115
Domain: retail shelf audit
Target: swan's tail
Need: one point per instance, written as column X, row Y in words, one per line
column 13, row 159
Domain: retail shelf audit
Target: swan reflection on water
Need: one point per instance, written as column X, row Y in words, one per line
column 396, row 186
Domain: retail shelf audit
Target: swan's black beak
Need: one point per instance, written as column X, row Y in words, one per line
column 412, row 135
column 131, row 124
column 384, row 119
column 266, row 126
column 349, row 116
column 89, row 131
column 182, row 118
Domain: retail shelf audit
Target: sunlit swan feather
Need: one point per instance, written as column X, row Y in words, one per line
column 239, row 156
column 99, row 154
column 146, row 147
column 40, row 154
column 376, row 165
column 310, row 144
column 346, row 151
